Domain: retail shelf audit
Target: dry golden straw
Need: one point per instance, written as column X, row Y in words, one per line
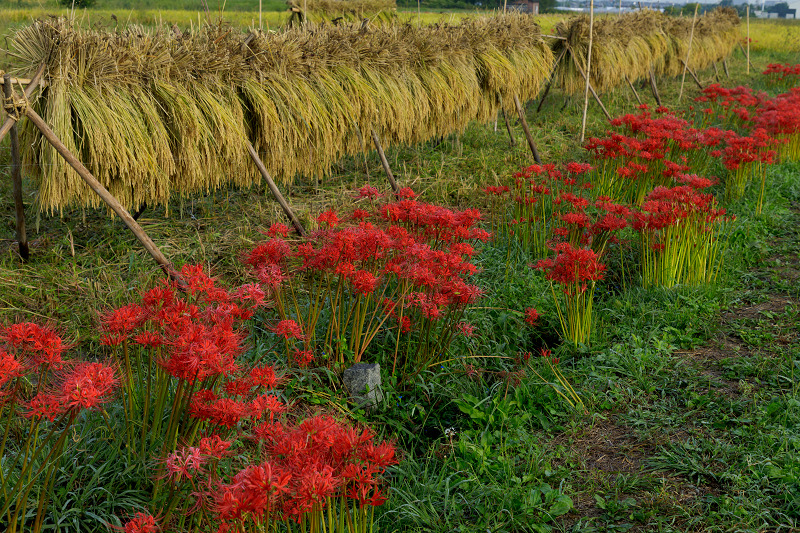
column 155, row 113
column 629, row 45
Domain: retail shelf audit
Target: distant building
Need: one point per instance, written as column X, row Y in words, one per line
column 524, row 6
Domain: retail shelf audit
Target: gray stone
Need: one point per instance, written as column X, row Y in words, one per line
column 363, row 381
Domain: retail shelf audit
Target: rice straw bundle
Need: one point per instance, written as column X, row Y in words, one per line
column 623, row 47
column 629, row 45
column 715, row 35
column 343, row 8
column 154, row 113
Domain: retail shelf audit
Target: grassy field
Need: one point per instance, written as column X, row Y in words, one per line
column 692, row 395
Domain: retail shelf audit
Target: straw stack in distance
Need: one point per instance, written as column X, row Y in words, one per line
column 629, row 45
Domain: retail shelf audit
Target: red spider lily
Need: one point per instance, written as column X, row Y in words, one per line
column 531, row 316
column 265, row 376
column 272, row 252
column 406, row 193
column 783, row 75
column 214, row 447
column 573, row 267
column 10, row 368
column 38, row 345
column 141, row 523
column 289, row 329
column 278, row 229
column 303, row 358
column 466, row 329
column 185, row 463
column 370, row 192
column 124, row 320
column 87, row 386
column 328, row 218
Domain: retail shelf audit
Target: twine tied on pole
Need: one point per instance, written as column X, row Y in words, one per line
column 15, row 107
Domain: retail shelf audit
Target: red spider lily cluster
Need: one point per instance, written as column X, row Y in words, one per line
column 681, row 232
column 780, row 117
column 785, row 76
column 318, row 473
column 41, row 395
column 552, row 204
column 673, row 148
column 576, row 270
column 399, row 270
column 732, row 106
column 174, row 348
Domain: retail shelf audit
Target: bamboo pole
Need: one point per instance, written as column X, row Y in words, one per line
column 688, row 51
column 34, row 82
column 276, row 193
column 106, row 196
column 716, row 71
column 725, row 68
column 591, row 89
column 748, row 39
column 16, row 177
column 508, row 129
column 654, row 87
column 524, row 121
column 588, row 70
column 14, row 81
column 384, row 161
column 635, row 93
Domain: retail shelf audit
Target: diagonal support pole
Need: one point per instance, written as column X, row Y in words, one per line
column 103, row 193
column 550, row 79
column 591, row 89
column 276, row 193
column 693, row 74
column 635, row 93
column 508, row 129
column 531, row 144
column 384, row 161
column 16, row 177
column 654, row 87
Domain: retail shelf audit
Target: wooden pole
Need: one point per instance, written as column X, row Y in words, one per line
column 693, row 74
column 588, row 70
column 260, row 25
column 749, row 63
column 591, row 89
column 654, row 87
column 9, row 123
column 524, row 121
column 748, row 39
column 106, row 196
column 716, row 71
column 688, row 52
column 636, row 94
column 550, row 79
column 276, row 193
column 725, row 68
column 508, row 129
column 384, row 161
column 16, row 177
